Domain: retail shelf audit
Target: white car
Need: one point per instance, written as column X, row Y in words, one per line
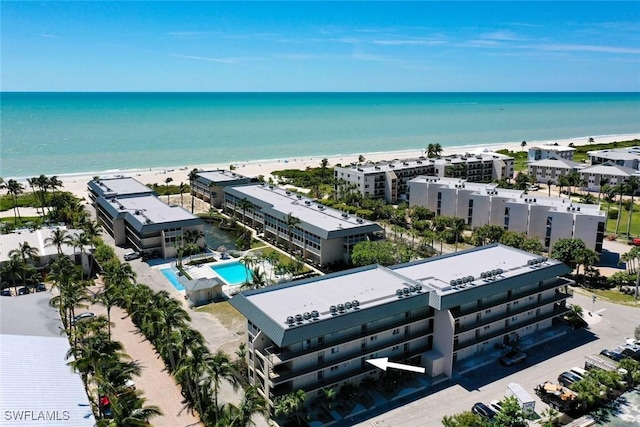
column 130, row 256
column 82, row 317
column 496, row 405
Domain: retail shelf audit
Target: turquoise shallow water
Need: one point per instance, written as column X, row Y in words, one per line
column 60, row 133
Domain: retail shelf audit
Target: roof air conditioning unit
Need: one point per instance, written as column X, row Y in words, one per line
column 299, row 318
column 453, row 282
column 315, row 314
column 500, row 271
column 340, row 308
column 299, row 196
column 288, row 193
column 344, row 215
column 355, row 303
column 360, row 220
column 307, row 202
column 469, row 279
column 483, row 275
column 306, row 315
column 347, row 305
column 291, row 320
column 399, row 293
column 412, row 288
column 405, row 291
column 333, row 309
column 418, row 288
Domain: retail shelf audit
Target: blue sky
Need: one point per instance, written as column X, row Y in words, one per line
column 320, row 46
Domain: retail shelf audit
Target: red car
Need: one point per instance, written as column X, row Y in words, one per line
column 635, row 241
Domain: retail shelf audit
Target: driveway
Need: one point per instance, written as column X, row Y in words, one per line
column 610, row 324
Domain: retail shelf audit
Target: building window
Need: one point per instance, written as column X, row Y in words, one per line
column 320, row 358
column 373, row 337
column 487, row 327
column 320, row 375
column 334, row 368
column 335, row 350
column 487, row 311
column 514, row 318
column 396, row 331
column 395, row 348
column 320, row 340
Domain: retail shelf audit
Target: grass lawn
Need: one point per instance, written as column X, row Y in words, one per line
column 622, row 230
column 224, row 312
column 615, row 297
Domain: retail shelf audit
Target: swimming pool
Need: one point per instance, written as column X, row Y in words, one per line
column 233, row 273
column 171, row 277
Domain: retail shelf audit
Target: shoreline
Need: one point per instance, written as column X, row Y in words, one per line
column 77, row 182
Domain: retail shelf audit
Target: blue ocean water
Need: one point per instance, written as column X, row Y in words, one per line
column 61, row 133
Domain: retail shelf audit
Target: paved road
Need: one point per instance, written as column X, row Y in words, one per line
column 608, row 329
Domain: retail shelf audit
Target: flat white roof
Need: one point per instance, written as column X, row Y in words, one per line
column 396, row 165
column 110, row 187
column 438, row 273
column 36, row 239
column 616, row 154
column 515, row 196
column 38, row 387
column 372, row 287
column 552, row 147
column 604, row 169
column 151, row 210
column 221, row 175
column 303, row 208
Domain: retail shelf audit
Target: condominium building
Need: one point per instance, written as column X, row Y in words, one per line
column 318, row 333
column 388, row 180
column 550, row 151
column 607, row 173
column 209, row 185
column 323, row 235
column 134, row 216
column 547, row 218
column 551, row 169
column 626, row 157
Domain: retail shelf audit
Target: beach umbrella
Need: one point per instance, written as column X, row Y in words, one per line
column 222, row 248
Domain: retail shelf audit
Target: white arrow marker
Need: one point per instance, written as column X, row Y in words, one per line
column 383, row 363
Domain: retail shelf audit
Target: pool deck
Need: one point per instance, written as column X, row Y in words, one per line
column 205, row 271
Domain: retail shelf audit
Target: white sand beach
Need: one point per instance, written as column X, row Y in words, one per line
column 77, row 183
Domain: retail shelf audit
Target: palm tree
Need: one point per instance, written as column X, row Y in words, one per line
column 59, row 237
column 601, row 187
column 323, row 167
column 130, row 410
column 166, row 182
column 291, row 222
column 252, row 403
column 193, row 175
column 14, row 188
column 437, row 149
column 291, row 404
column 633, row 184
column 563, row 181
column 522, row 145
column 33, row 183
column 220, row 369
column 183, row 188
column 620, row 188
column 549, row 183
column 244, row 204
column 15, row 269
column 25, row 252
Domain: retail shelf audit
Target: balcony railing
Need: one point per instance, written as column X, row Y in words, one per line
column 282, row 373
column 513, row 311
column 282, row 355
column 456, row 312
column 557, row 311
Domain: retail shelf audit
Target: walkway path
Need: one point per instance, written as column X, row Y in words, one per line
column 155, row 384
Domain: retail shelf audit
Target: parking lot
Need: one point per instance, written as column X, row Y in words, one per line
column 610, row 324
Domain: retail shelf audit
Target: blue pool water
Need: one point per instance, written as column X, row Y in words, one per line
column 233, row 273
column 171, row 277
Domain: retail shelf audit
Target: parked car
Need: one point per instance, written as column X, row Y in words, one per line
column 513, row 357
column 23, row 291
column 496, row 406
column 130, row 256
column 567, row 378
column 483, row 410
column 613, row 355
column 41, row 287
column 5, row 292
column 83, row 317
